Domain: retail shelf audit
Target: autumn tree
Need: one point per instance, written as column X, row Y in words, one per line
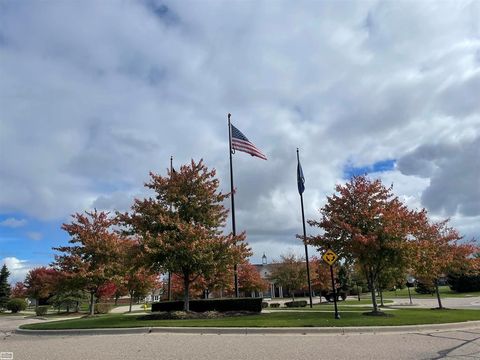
column 137, row 279
column 4, row 286
column 91, row 261
column 19, row 290
column 290, row 272
column 249, row 279
column 364, row 223
column 181, row 228
column 320, row 277
column 436, row 250
column 40, row 283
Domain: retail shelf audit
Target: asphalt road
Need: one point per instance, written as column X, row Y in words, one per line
column 463, row 344
column 447, row 344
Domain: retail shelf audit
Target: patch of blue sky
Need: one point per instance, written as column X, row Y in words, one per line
column 380, row 166
column 33, row 241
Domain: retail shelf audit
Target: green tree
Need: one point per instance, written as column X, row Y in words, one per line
column 181, row 229
column 4, row 286
column 290, row 272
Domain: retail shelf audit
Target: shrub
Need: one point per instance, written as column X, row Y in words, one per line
column 422, row 288
column 16, row 305
column 464, row 282
column 102, row 308
column 274, row 305
column 220, row 305
column 41, row 310
column 264, row 304
column 300, row 303
column 355, row 291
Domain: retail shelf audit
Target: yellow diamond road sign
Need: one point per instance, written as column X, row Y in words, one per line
column 330, row 257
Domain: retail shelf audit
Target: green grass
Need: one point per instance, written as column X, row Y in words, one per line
column 276, row 319
column 445, row 291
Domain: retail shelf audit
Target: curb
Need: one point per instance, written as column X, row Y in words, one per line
column 259, row 331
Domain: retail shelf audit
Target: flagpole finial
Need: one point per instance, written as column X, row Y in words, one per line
column 229, row 116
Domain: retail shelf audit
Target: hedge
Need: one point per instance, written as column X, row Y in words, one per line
column 220, row 305
column 464, row 283
column 300, row 303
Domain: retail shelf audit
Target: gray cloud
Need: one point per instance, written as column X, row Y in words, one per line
column 454, row 172
column 95, row 95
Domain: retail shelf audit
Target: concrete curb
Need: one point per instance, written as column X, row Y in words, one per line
column 260, row 331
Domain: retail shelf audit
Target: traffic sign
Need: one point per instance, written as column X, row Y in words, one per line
column 330, row 257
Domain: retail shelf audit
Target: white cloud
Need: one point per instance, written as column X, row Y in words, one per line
column 107, row 91
column 34, row 235
column 13, row 222
column 18, row 268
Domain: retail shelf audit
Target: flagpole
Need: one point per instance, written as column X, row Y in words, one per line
column 170, row 273
column 232, row 196
column 305, row 242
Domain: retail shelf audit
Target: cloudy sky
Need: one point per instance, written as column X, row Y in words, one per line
column 95, row 94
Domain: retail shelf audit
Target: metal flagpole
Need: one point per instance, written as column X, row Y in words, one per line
column 234, row 230
column 305, row 241
column 170, row 273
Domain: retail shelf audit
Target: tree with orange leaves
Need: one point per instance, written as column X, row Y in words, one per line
column 366, row 224
column 249, row 279
column 91, row 261
column 436, row 250
column 181, row 229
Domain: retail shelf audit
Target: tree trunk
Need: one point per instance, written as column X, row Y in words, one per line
column 186, row 286
column 371, row 284
column 131, row 302
column 116, row 299
column 92, row 303
column 438, row 295
column 381, row 298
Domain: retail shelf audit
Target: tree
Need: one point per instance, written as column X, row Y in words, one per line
column 290, row 272
column 92, row 259
column 181, row 228
column 40, row 283
column 4, row 286
column 19, row 291
column 436, row 251
column 321, row 279
column 366, row 224
column 249, row 279
column 137, row 279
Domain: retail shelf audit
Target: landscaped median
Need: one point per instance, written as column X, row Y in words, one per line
column 271, row 320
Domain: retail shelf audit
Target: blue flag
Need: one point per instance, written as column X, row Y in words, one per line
column 300, row 179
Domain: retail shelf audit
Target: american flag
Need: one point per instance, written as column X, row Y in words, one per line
column 241, row 143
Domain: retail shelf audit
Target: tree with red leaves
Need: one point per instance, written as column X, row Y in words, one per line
column 181, row 229
column 436, row 250
column 19, row 290
column 40, row 283
column 365, row 223
column 91, row 261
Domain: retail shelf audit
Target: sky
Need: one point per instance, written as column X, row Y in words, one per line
column 96, row 94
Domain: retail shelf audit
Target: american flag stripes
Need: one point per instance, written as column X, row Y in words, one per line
column 241, row 143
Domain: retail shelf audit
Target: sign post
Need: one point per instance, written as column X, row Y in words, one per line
column 330, row 258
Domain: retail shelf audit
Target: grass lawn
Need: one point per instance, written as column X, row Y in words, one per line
column 444, row 292
column 276, row 319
